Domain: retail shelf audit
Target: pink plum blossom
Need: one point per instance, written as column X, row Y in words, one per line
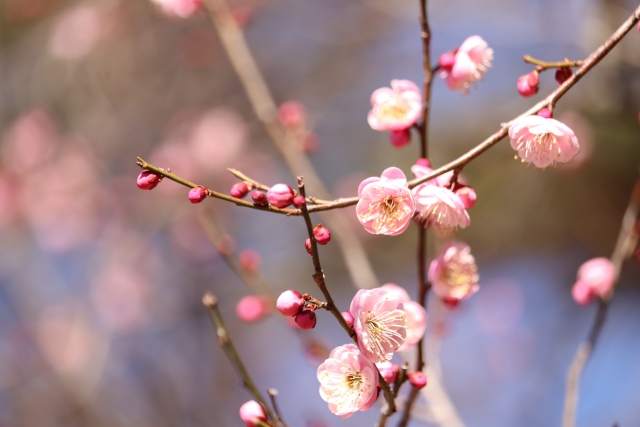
column 379, row 323
column 596, row 278
column 348, row 381
column 470, row 61
column 440, row 208
column 396, row 108
column 543, row 142
column 454, row 274
column 415, row 316
column 252, row 411
column 386, row 204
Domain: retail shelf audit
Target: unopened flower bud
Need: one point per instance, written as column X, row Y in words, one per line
column 299, row 201
column 280, row 195
column 249, row 259
column 348, row 317
column 292, row 114
column 423, row 162
column 447, row 60
column 290, row 303
column 321, row 234
column 239, row 190
column 400, row 138
column 529, row 84
column 451, row 302
column 307, row 246
column 252, row 411
column 197, row 194
column 252, row 308
column 467, row 195
column 306, row 319
column 259, row 198
column 563, row 73
column 148, row 180
column 417, row 379
column 389, row 371
column 546, row 113
column 581, row 293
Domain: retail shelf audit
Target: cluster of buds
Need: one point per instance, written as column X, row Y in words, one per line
column 278, row 196
column 529, row 84
column 292, row 304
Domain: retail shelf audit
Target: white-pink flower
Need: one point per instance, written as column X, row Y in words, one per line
column 440, row 208
column 596, row 278
column 386, row 204
column 470, row 61
column 454, row 274
column 415, row 316
column 543, row 142
column 395, row 108
column 379, row 323
column 348, row 381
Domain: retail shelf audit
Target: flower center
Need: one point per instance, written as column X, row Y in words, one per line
column 386, row 213
column 543, row 148
column 393, row 109
column 461, row 275
column 382, row 329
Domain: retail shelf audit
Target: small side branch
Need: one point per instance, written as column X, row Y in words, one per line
column 543, row 65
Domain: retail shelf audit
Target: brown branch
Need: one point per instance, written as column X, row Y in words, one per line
column 543, row 65
column 626, row 243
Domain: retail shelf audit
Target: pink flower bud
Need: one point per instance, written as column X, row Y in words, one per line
column 306, row 319
column 299, row 201
column 451, row 302
column 447, row 60
column 307, row 246
column 598, row 275
column 348, row 317
column 197, row 194
column 290, row 303
column 148, row 180
column 563, row 73
column 389, row 371
column 252, row 308
column 292, row 114
column 467, row 195
column 259, row 198
column 417, row 379
column 581, row 293
column 249, row 259
column 423, row 162
column 252, row 411
column 546, row 113
column 280, row 195
column 400, row 138
column 321, row 234
column 528, row 85
column 239, row 190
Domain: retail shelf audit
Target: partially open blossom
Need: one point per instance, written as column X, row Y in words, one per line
column 292, row 114
column 249, row 259
column 454, row 274
column 348, row 381
column 239, row 190
column 467, row 196
column 596, row 278
column 389, row 371
column 543, row 142
column 252, row 308
column 386, row 204
column 252, row 411
column 415, row 316
column 197, row 194
column 348, row 317
column 321, row 234
column 395, row 108
column 400, row 138
column 259, row 198
column 290, row 303
column 417, row 379
column 470, row 61
column 528, row 84
column 306, row 319
column 440, row 208
column 280, row 195
column 379, row 323
column 563, row 73
column 148, row 180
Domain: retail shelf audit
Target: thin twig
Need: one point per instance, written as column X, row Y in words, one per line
column 211, row 303
column 272, row 396
column 543, row 65
column 627, row 241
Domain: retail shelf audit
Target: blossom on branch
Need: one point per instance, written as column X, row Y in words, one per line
column 440, row 208
column 468, row 64
column 395, row 108
column 348, row 381
column 379, row 323
column 542, row 141
column 454, row 274
column 415, row 316
column 251, row 412
column 386, row 204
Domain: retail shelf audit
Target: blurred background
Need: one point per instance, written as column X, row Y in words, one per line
column 101, row 321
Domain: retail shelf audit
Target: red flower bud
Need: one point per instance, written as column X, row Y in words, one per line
column 321, row 234
column 280, row 195
column 467, row 195
column 306, row 319
column 290, row 303
column 417, row 379
column 292, row 114
column 529, row 84
column 423, row 162
column 249, row 259
column 148, row 180
column 239, row 190
column 447, row 60
column 546, row 113
column 400, row 138
column 259, row 198
column 563, row 73
column 197, row 194
column 299, row 201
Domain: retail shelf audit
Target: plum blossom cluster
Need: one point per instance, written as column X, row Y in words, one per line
column 454, row 274
column 465, row 65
